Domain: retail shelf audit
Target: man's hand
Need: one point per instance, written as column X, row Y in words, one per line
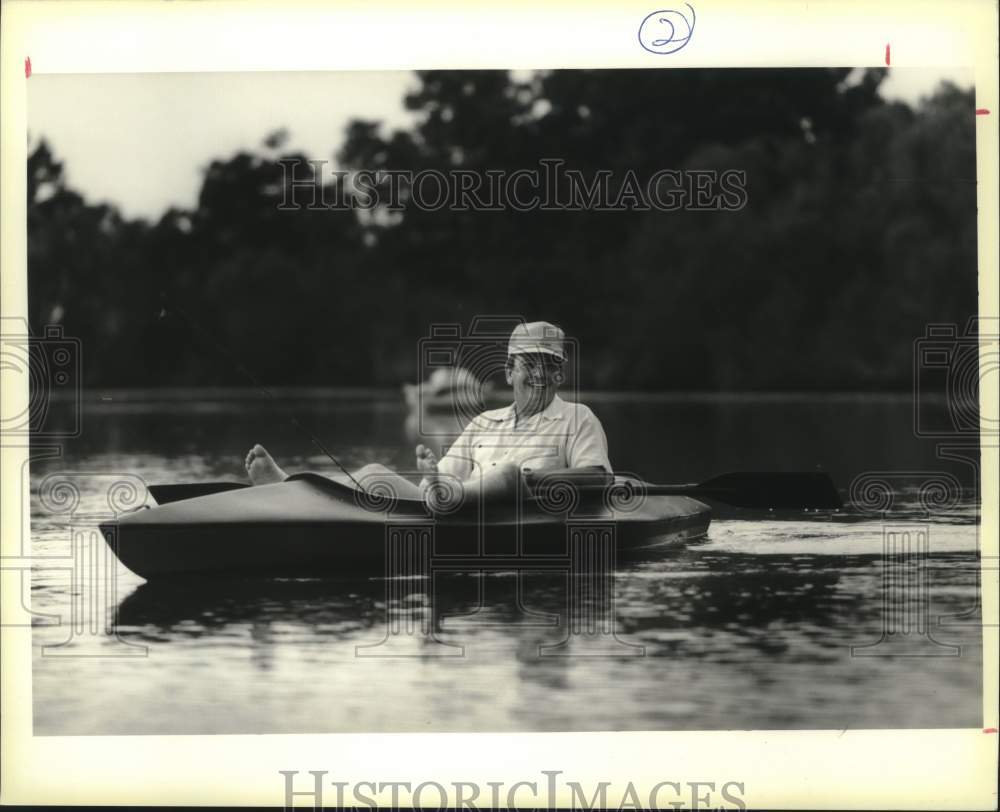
column 427, row 461
column 531, row 479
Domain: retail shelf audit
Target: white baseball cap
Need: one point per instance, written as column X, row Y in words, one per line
column 537, row 337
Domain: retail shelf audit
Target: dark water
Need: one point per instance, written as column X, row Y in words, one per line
column 769, row 622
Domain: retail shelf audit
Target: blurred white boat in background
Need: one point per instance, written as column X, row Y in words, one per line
column 452, row 389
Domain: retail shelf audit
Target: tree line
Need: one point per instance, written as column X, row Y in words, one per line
column 858, row 228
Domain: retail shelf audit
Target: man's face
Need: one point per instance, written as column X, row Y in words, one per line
column 535, row 377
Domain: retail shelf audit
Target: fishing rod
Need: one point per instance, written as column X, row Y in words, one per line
column 230, row 356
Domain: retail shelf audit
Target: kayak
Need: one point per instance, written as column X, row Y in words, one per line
column 311, row 526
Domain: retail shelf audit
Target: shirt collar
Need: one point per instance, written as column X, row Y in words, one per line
column 556, row 410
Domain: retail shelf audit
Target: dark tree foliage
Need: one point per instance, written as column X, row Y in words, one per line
column 859, row 228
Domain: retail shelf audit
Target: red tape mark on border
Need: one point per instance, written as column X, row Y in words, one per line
column 989, row 730
column 982, row 111
column 887, row 53
column 27, row 67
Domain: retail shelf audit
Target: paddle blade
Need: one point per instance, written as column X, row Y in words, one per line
column 164, row 494
column 779, row 490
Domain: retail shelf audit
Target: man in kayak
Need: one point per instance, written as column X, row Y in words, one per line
column 538, row 435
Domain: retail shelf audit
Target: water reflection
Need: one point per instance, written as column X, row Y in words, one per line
column 337, row 607
column 536, row 610
column 196, row 607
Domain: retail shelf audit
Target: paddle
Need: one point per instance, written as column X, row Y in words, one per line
column 760, row 490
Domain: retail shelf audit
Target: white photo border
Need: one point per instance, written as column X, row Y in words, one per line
column 888, row 769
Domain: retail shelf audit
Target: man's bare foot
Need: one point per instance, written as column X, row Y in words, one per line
column 427, row 462
column 261, row 467
column 438, row 495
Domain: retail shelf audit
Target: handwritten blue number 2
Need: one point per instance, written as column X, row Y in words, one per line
column 667, row 31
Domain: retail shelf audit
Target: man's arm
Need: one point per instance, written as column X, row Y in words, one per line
column 594, row 476
column 586, row 455
column 587, row 449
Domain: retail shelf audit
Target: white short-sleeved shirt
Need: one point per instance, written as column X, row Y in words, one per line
column 563, row 435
